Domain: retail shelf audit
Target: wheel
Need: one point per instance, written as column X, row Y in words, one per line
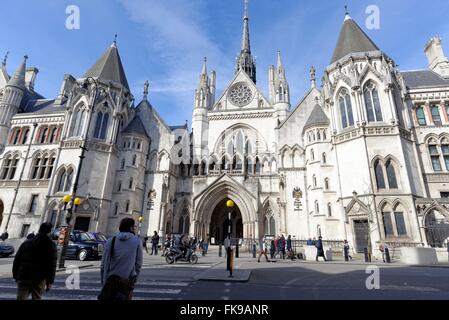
column 82, row 255
column 194, row 259
column 169, row 259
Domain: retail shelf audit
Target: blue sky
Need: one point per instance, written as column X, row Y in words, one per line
column 165, row 41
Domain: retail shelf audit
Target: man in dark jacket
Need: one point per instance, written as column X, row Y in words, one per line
column 154, row 243
column 34, row 265
column 320, row 249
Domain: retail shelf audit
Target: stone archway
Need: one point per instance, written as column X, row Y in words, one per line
column 220, row 223
column 224, row 188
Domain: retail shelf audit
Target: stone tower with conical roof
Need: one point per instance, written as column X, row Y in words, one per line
column 11, row 101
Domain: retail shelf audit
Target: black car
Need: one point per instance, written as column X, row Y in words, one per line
column 82, row 246
column 6, row 249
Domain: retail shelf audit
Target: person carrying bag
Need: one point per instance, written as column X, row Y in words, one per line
column 121, row 263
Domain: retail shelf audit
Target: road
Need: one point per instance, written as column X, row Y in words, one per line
column 285, row 280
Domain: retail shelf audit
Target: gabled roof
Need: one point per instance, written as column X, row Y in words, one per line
column 317, row 118
column 43, row 106
column 352, row 39
column 136, row 126
column 424, row 79
column 109, row 68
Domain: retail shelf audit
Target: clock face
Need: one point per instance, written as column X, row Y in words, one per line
column 240, row 94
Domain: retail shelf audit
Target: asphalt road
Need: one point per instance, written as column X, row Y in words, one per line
column 289, row 281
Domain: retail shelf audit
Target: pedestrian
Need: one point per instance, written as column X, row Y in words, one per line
column 154, row 243
column 272, row 248
column 167, row 244
column 283, row 243
column 276, row 247
column 346, row 251
column 314, row 241
column 320, row 249
column 206, row 245
column 31, row 236
column 291, row 254
column 263, row 249
column 144, row 243
column 309, row 242
column 121, row 263
column 34, row 265
column 382, row 250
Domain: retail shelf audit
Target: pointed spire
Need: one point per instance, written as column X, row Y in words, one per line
column 114, row 43
column 145, row 89
column 109, row 67
column 347, row 16
column 18, row 79
column 279, row 63
column 313, row 77
column 204, row 71
column 5, row 59
column 246, row 47
column 352, row 39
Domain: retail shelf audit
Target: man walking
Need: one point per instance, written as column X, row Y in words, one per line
column 144, row 243
column 263, row 249
column 320, row 249
column 34, row 265
column 154, row 243
column 121, row 263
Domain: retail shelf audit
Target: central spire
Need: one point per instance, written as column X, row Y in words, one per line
column 245, row 61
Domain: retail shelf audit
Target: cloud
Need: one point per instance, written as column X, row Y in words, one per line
column 177, row 39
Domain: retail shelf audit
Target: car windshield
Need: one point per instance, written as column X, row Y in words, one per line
column 84, row 236
column 101, row 237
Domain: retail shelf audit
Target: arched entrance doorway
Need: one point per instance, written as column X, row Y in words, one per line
column 220, row 225
column 2, row 208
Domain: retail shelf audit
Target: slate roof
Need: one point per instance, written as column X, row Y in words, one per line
column 424, row 79
column 136, row 126
column 109, row 68
column 317, row 117
column 352, row 39
column 42, row 106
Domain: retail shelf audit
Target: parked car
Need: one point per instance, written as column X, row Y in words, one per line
column 6, row 249
column 82, row 245
column 100, row 237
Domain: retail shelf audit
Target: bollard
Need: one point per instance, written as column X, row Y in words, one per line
column 220, row 253
column 387, row 255
column 229, row 261
column 254, row 250
column 237, row 250
column 367, row 256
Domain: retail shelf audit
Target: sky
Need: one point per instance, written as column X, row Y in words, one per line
column 164, row 41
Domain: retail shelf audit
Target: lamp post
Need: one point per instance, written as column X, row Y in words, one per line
column 72, row 201
column 229, row 205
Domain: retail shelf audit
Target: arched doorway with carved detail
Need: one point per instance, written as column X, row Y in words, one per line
column 436, row 226
column 223, row 221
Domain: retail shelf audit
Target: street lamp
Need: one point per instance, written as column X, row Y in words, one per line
column 71, row 201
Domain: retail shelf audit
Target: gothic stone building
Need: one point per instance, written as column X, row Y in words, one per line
column 364, row 157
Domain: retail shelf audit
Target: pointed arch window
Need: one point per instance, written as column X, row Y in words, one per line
column 372, row 103
column 78, row 124
column 436, row 115
column 324, row 158
column 326, row 184
column 65, row 180
column 391, row 175
column 347, row 118
column 134, row 160
column 131, row 184
column 127, row 206
column 420, row 116
column 122, row 165
column 42, row 167
column 272, row 226
column 329, row 209
column 435, row 158
column 314, row 181
column 116, row 209
column 312, row 155
column 379, row 175
column 101, row 125
column 184, row 222
column 317, row 207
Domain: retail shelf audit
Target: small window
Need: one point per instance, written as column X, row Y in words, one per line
column 420, row 116
column 435, row 158
column 131, row 183
column 122, row 165
column 134, row 160
column 317, row 207
column 436, row 115
column 445, row 150
column 329, row 210
column 324, row 158
column 312, row 155
column 116, row 209
column 33, row 204
column 119, row 186
column 388, row 227
column 326, row 184
column 444, row 194
column 127, row 206
column 314, row 181
column 379, row 175
column 391, row 174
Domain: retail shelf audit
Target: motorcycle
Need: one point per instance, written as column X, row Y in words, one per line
column 175, row 254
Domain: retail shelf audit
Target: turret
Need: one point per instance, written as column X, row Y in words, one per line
column 279, row 89
column 11, row 101
column 438, row 62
